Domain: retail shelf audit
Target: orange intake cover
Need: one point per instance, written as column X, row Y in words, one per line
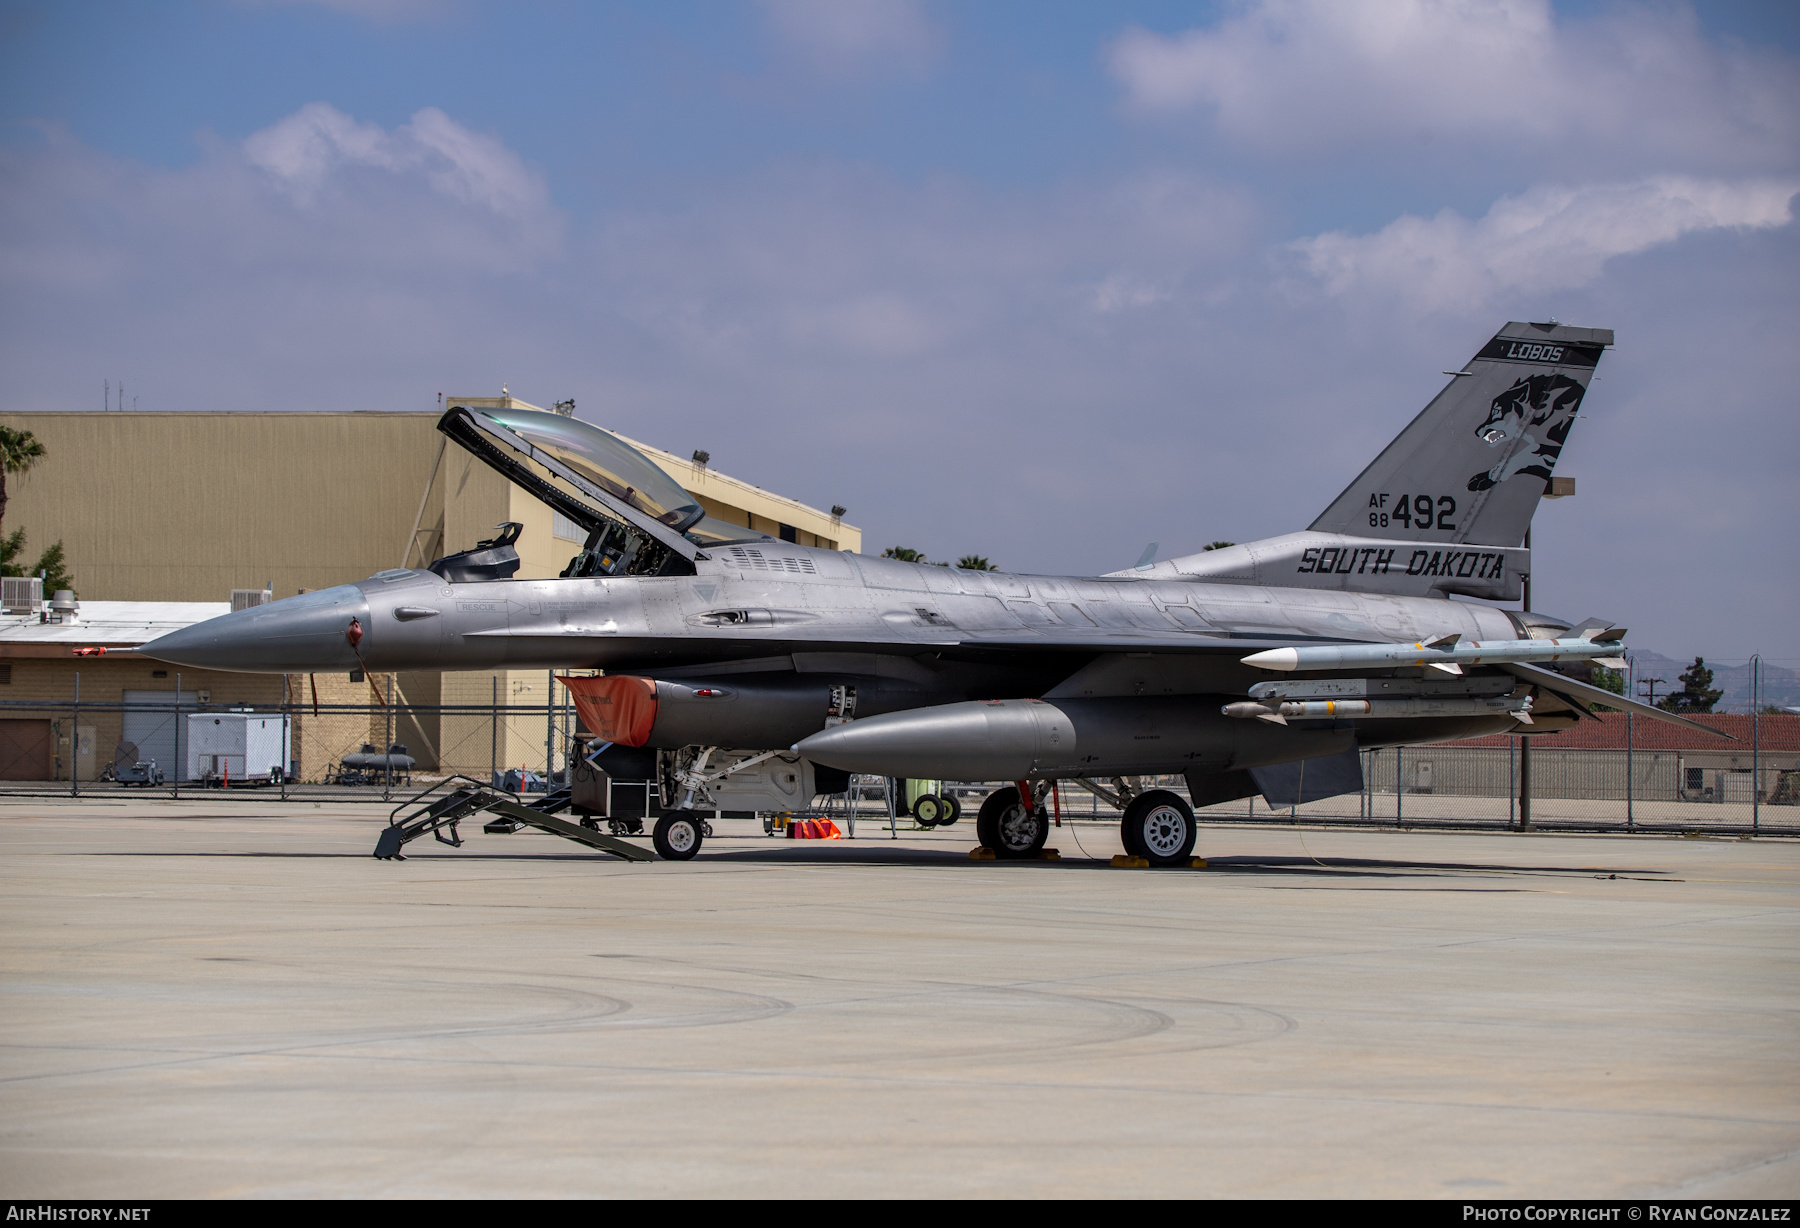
column 620, row 709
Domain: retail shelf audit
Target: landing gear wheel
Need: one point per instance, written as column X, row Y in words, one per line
column 678, row 834
column 952, row 811
column 1159, row 827
column 1013, row 832
column 929, row 810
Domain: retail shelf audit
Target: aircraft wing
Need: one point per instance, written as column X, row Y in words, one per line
column 1581, row 692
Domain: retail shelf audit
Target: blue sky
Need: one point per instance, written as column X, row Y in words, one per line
column 1042, row 281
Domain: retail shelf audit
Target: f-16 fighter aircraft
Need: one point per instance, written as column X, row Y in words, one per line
column 1256, row 668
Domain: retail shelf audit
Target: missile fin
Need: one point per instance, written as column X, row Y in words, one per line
column 1449, row 667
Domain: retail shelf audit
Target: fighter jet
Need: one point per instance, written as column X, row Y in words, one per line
column 1256, row 668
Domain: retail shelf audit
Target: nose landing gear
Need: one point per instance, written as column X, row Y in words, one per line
column 678, row 835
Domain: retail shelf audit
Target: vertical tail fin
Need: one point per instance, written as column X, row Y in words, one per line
column 1472, row 466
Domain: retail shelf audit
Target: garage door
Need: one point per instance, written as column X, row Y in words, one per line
column 150, row 726
column 25, row 750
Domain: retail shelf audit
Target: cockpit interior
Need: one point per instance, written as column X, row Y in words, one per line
column 639, row 521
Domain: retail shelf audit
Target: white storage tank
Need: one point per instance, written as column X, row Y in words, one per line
column 236, row 746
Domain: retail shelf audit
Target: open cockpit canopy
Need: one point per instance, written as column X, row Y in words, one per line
column 712, row 532
column 605, row 460
column 635, row 515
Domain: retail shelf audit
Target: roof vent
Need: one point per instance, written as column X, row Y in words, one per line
column 245, row 598
column 63, row 606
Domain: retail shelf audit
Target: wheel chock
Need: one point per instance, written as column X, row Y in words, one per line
column 1049, row 854
column 981, row 854
column 1198, row 863
column 1124, row 861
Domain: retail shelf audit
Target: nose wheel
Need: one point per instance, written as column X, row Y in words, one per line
column 677, row 835
column 1159, row 827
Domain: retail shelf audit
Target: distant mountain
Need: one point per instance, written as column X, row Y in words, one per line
column 1779, row 686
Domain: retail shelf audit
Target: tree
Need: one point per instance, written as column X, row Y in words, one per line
column 19, row 451
column 1607, row 680
column 1696, row 693
column 975, row 562
column 906, row 554
column 51, row 563
column 1218, row 545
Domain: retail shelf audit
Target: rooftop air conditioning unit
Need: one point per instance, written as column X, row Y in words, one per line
column 244, row 598
column 22, row 594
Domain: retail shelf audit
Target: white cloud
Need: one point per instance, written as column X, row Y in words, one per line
column 1315, row 75
column 1550, row 238
column 304, row 151
column 841, row 35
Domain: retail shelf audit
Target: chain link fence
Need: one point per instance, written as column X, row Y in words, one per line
column 385, row 751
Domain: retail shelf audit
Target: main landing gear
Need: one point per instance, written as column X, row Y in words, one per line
column 1159, row 827
column 1013, row 830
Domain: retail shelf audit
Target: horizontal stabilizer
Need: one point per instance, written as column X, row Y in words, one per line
column 1582, row 693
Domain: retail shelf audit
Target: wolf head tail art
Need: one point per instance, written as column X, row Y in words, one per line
column 1537, row 412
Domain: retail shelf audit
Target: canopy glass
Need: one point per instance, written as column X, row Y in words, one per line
column 711, row 532
column 606, row 460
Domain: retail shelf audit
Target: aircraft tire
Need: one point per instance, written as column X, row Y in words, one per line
column 952, row 811
column 1159, row 827
column 1005, row 826
column 929, row 810
column 678, row 835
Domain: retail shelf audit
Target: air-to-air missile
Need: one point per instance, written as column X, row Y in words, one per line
column 1449, row 653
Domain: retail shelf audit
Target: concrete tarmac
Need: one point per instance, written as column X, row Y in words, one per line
column 233, row 999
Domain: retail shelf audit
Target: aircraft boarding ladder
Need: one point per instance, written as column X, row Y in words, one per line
column 439, row 816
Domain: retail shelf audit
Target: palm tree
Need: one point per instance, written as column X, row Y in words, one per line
column 906, row 554
column 975, row 562
column 19, row 451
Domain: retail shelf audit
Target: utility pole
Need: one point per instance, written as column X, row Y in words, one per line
column 1649, row 695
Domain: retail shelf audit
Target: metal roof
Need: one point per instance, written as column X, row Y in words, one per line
column 103, row 624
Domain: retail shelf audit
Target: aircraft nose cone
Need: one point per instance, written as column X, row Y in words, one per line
column 303, row 634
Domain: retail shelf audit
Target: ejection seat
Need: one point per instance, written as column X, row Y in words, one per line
column 494, row 559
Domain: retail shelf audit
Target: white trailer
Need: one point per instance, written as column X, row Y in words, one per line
column 236, row 746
